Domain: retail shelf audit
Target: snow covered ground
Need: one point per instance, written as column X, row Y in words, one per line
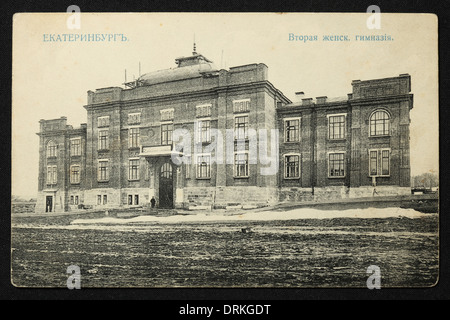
column 290, row 248
column 295, row 214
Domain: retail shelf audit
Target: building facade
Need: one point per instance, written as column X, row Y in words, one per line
column 198, row 136
column 355, row 146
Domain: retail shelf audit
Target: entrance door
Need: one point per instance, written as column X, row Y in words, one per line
column 48, row 203
column 166, row 186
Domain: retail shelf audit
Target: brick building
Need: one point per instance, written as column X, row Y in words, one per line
column 228, row 128
column 354, row 146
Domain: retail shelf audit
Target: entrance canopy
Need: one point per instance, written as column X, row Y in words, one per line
column 159, row 151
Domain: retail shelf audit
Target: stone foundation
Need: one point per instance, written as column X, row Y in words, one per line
column 58, row 199
column 116, row 197
column 208, row 198
column 91, row 198
column 295, row 194
column 327, row 194
column 363, row 192
column 143, row 193
column 229, row 197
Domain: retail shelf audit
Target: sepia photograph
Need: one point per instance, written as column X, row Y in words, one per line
column 225, row 150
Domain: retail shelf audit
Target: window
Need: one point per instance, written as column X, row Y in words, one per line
column 203, row 110
column 103, row 140
column 133, row 169
column 131, row 198
column 52, row 175
column 373, row 165
column 241, row 105
column 292, row 130
column 203, row 166
column 241, row 165
column 166, row 171
column 133, row 138
column 385, row 162
column 336, row 127
column 75, row 147
column 102, row 199
column 166, row 133
column 51, row 149
column 204, row 131
column 74, row 200
column 75, row 174
column 134, row 118
column 336, row 165
column 379, row 123
column 291, row 166
column 241, row 127
column 103, row 121
column 103, row 174
column 379, row 163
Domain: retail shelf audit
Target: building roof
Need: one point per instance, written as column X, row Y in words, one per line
column 341, row 99
column 188, row 67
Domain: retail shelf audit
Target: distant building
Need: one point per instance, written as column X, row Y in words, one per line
column 328, row 148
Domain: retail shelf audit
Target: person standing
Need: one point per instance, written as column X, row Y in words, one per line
column 153, row 202
column 374, row 185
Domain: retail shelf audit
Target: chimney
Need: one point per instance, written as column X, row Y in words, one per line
column 307, row 101
column 299, row 96
column 321, row 100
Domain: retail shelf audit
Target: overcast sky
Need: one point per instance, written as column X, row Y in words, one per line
column 51, row 79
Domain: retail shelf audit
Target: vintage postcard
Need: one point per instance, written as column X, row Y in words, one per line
column 225, row 150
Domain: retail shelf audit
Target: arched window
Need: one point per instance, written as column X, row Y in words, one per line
column 51, row 149
column 380, row 123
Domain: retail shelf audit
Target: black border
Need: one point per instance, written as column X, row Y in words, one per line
column 174, row 298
